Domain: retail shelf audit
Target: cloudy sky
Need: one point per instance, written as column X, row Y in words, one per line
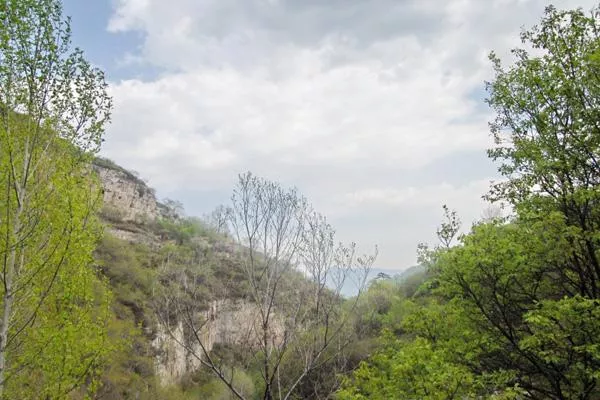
column 372, row 108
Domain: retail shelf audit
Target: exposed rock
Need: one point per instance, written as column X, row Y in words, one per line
column 134, row 236
column 130, row 198
column 176, row 354
column 225, row 322
column 129, row 204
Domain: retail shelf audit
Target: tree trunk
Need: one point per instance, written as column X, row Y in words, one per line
column 7, row 298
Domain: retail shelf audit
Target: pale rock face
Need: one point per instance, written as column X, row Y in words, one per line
column 146, row 238
column 225, row 322
column 174, row 358
column 133, row 199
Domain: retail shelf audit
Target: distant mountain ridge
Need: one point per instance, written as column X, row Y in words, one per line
column 397, row 275
column 410, row 272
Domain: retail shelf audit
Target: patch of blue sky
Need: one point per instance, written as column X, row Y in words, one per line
column 112, row 52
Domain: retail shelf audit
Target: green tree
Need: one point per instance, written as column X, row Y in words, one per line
column 53, row 107
column 503, row 274
column 548, row 137
column 524, row 291
column 548, row 142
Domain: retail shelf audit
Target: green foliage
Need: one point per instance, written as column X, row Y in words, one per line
column 55, row 308
column 69, row 346
column 412, row 370
column 565, row 334
column 182, row 230
column 131, row 270
column 126, row 264
column 427, row 352
column 512, row 310
column 215, row 389
column 139, row 275
column 496, row 321
column 547, row 106
column 54, row 107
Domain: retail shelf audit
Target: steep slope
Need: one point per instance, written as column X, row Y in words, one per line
column 186, row 295
column 149, row 250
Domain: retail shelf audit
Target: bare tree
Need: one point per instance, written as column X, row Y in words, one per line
column 218, row 220
column 447, row 232
column 295, row 273
column 493, row 212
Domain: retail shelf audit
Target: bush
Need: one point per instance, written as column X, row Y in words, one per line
column 112, row 214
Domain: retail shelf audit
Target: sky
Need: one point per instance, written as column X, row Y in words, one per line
column 373, row 109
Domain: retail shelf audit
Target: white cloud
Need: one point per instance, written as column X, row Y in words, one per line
column 345, row 99
column 399, row 218
column 296, row 110
column 424, row 196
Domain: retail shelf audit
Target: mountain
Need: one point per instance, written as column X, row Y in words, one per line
column 410, row 272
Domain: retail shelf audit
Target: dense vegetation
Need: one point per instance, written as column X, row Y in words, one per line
column 137, row 274
column 53, row 106
column 512, row 310
column 509, row 310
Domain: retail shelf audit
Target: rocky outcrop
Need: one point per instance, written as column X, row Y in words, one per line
column 127, row 196
column 225, row 322
column 176, row 353
column 129, row 206
column 132, row 235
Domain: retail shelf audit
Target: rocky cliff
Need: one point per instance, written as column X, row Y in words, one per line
column 128, row 195
column 225, row 322
column 130, row 211
column 128, row 203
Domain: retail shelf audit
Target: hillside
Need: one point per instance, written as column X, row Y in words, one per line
column 161, row 265
column 146, row 250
